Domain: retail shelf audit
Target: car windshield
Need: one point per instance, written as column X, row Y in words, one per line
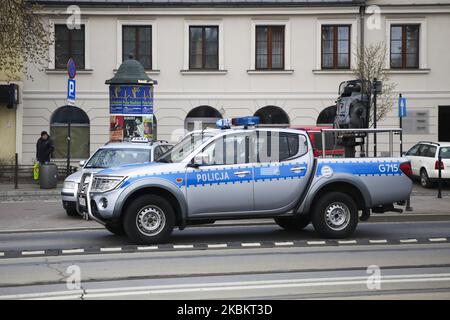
column 185, row 147
column 445, row 152
column 110, row 157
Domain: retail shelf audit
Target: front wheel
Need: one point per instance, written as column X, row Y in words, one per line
column 115, row 228
column 335, row 215
column 293, row 223
column 149, row 219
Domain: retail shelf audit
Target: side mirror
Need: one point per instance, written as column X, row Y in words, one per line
column 82, row 163
column 201, row 159
column 404, row 153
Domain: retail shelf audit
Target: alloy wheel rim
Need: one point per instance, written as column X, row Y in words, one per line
column 337, row 216
column 150, row 220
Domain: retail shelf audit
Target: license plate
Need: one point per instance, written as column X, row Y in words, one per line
column 82, row 201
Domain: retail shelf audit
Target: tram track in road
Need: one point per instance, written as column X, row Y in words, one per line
column 302, row 284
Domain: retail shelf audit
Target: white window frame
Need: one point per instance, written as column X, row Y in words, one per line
column 423, row 58
column 52, row 47
column 354, row 42
column 287, row 43
column 209, row 22
column 150, row 23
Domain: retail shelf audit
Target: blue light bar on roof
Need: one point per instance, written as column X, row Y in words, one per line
column 242, row 121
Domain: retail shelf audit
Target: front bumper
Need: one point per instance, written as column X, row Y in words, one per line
column 96, row 206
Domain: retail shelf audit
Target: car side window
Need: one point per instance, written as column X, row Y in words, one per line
column 157, row 152
column 227, row 150
column 413, row 151
column 422, row 150
column 290, row 145
column 431, row 152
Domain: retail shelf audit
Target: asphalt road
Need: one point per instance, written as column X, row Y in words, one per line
column 237, row 262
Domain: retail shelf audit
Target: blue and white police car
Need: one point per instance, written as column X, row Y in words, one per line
column 243, row 171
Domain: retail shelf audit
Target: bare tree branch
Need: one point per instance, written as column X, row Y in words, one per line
column 24, row 38
column 370, row 65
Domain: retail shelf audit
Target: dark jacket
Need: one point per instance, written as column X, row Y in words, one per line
column 44, row 149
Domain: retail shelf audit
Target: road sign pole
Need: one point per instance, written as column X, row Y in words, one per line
column 401, row 124
column 68, row 143
column 71, row 71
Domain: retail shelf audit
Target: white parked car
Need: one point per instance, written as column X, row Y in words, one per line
column 110, row 155
column 425, row 164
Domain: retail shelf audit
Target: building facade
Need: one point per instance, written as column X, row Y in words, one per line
column 282, row 60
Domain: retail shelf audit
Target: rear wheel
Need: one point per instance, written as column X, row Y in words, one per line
column 335, row 215
column 293, row 223
column 424, row 179
column 149, row 219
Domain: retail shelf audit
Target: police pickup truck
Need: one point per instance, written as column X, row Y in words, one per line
column 243, row 172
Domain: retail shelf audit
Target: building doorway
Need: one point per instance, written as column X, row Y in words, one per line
column 272, row 115
column 443, row 124
column 80, row 132
column 202, row 117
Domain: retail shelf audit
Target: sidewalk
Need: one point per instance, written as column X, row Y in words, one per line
column 28, row 192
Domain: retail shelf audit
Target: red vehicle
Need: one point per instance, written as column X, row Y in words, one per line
column 315, row 134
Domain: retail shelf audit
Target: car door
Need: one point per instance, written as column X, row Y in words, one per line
column 224, row 183
column 413, row 156
column 284, row 164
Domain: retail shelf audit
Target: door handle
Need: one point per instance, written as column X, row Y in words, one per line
column 241, row 173
column 298, row 169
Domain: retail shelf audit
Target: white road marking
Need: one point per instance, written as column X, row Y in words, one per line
column 69, row 251
column 223, row 286
column 250, row 244
column 378, row 241
column 437, row 239
column 148, row 248
column 183, row 246
column 262, row 284
column 219, row 245
column 315, row 242
column 408, row 240
column 346, row 241
column 110, row 249
column 31, row 253
column 286, row 243
column 45, row 295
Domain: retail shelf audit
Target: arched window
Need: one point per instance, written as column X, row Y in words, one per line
column 79, row 128
column 272, row 115
column 327, row 116
column 202, row 117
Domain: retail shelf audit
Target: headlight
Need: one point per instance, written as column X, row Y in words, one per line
column 69, row 185
column 106, row 183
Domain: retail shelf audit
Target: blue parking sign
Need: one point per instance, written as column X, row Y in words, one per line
column 71, row 91
column 402, row 107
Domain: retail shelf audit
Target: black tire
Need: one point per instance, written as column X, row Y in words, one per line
column 335, row 215
column 424, row 179
column 293, row 223
column 115, row 228
column 142, row 213
column 71, row 211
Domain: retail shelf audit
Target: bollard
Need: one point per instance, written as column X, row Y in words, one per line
column 439, row 175
column 408, row 205
column 16, row 171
